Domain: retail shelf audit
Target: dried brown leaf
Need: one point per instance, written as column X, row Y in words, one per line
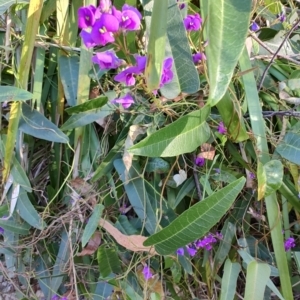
column 92, row 245
column 131, row 242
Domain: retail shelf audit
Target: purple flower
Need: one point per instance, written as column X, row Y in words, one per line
column 252, row 175
column 55, row 297
column 167, row 74
column 198, row 57
column 219, row 235
column 102, row 32
column 180, row 251
column 126, row 76
column 116, row 13
column 87, row 39
column 147, row 272
column 200, row 161
column 181, row 6
column 107, row 60
column 281, row 17
column 1, row 230
column 131, row 18
column 192, row 22
column 125, row 101
column 86, row 16
column 105, row 6
column 254, row 26
column 207, row 242
column 191, row 251
column 221, row 128
column 141, row 64
column 289, row 243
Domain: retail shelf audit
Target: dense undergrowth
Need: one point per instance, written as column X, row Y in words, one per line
column 150, row 149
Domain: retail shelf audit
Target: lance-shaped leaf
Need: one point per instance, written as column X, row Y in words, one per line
column 196, row 221
column 227, row 26
column 12, row 93
column 157, row 42
column 182, row 136
column 34, row 123
column 257, row 277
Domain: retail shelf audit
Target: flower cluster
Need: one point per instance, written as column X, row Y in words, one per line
column 99, row 24
column 192, row 22
column 289, row 244
column 205, row 243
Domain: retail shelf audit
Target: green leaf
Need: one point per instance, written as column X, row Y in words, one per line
column 108, row 261
column 232, row 117
column 34, row 123
column 269, row 177
column 196, row 221
column 27, row 211
column 137, row 194
column 182, row 136
column 186, row 78
column 227, row 27
column 229, row 280
column 186, row 75
column 289, row 148
column 11, row 93
column 12, row 226
column 87, row 117
column 69, row 73
column 157, row 42
column 257, row 277
column 87, row 106
column 157, row 165
column 228, row 232
column 92, row 224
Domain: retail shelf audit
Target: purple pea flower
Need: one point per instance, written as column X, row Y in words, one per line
column 167, row 74
column 289, row 243
column 87, row 39
column 130, row 18
column 1, row 230
column 200, row 161
column 181, row 6
column 141, row 64
column 221, row 128
column 206, row 242
column 254, row 26
column 125, row 101
column 252, row 175
column 55, row 297
column 105, row 6
column 86, row 16
column 107, row 60
column 197, row 57
column 147, row 272
column 102, row 32
column 192, row 22
column 180, row 251
column 191, row 251
column 281, row 17
column 126, row 76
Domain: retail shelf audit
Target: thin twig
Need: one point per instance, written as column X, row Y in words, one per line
column 196, row 179
column 296, row 62
column 285, row 113
column 276, row 54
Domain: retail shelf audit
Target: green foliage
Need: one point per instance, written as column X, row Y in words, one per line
column 226, row 34
column 94, row 192
column 182, row 136
column 197, row 221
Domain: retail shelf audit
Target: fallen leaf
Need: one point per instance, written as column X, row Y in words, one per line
column 131, row 242
column 134, row 132
column 208, row 151
column 92, row 245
